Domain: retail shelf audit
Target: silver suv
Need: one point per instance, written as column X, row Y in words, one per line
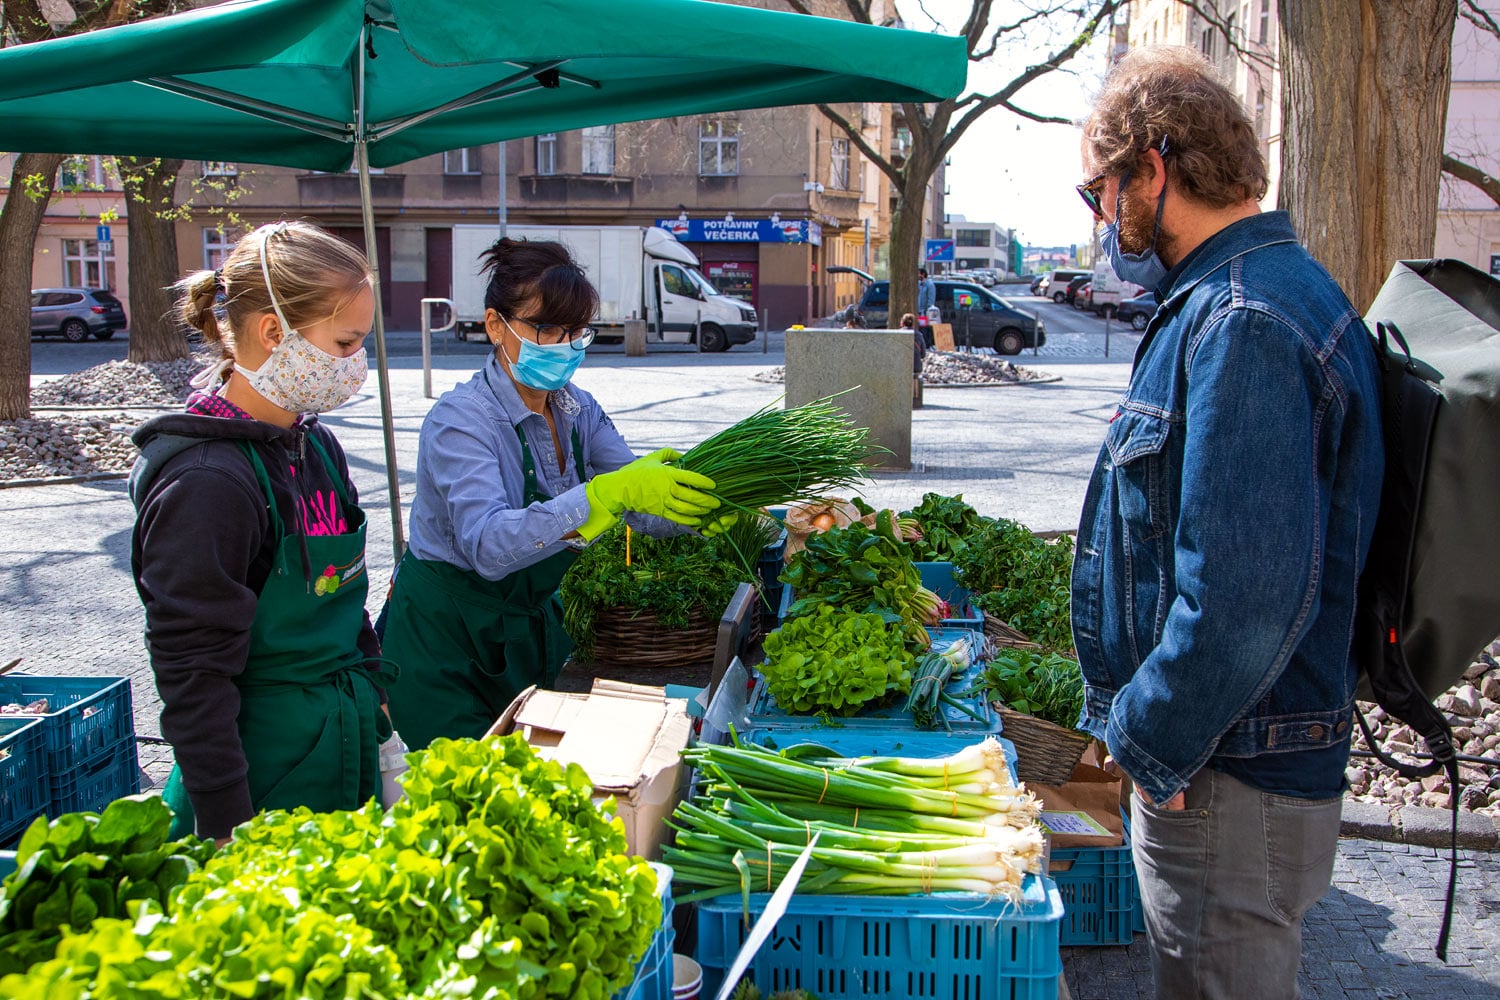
column 76, row 313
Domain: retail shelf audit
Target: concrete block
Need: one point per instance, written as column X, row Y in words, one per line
column 1433, row 828
column 874, row 366
column 1370, row 820
column 635, row 338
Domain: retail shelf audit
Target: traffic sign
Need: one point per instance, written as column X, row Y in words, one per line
column 103, row 234
column 939, row 250
column 106, row 246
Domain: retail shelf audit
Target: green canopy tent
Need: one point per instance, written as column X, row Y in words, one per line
column 326, row 84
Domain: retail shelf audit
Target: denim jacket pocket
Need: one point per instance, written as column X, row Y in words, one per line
column 1136, row 441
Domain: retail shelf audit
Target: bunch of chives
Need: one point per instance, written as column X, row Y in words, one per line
column 779, row 456
column 885, row 825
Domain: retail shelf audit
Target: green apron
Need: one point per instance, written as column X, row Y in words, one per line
column 467, row 646
column 310, row 718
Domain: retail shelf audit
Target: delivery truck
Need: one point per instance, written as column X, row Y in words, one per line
column 641, row 273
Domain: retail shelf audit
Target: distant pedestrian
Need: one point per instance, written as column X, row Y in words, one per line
column 926, row 292
column 249, row 543
column 1222, row 535
column 919, row 346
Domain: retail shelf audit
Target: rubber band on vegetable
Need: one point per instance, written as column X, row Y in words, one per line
column 627, row 543
column 825, row 789
column 768, row 866
column 856, row 816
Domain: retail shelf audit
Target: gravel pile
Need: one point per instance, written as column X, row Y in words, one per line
column 121, row 383
column 942, row 368
column 1473, row 707
column 80, row 444
column 70, row 445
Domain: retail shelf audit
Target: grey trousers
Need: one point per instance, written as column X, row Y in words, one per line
column 1225, row 883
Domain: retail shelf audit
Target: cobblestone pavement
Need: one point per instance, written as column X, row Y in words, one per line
column 68, row 606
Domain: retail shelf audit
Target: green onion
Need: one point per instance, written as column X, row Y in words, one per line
column 779, row 456
column 885, row 825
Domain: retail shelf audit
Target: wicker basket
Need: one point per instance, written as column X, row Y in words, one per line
column 627, row 637
column 1045, row 751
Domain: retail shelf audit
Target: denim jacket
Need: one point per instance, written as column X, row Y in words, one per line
column 1227, row 521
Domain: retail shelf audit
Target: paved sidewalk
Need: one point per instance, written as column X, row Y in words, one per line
column 68, row 605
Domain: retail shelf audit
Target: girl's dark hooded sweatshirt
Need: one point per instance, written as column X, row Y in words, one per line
column 201, row 551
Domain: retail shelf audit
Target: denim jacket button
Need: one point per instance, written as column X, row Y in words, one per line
column 1315, row 732
column 1339, row 729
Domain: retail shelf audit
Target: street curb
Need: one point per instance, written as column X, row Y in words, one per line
column 991, row 385
column 1419, row 825
column 92, row 477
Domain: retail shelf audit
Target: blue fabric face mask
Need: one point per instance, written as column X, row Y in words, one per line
column 1144, row 269
column 546, row 367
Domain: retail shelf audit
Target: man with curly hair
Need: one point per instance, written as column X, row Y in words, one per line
column 1223, row 533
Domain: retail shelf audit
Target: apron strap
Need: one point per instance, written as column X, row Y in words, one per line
column 264, row 479
column 333, row 472
column 532, row 490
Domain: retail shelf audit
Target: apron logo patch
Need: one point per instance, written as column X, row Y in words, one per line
column 333, row 577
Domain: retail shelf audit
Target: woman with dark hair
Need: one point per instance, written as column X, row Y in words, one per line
column 517, row 469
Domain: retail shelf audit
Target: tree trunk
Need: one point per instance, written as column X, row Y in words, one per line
column 906, row 245
column 19, row 222
column 150, row 186
column 1364, row 109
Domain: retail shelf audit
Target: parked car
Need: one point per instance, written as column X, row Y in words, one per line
column 1137, row 311
column 1055, row 283
column 76, row 313
column 1071, row 292
column 1083, row 299
column 1036, row 283
column 992, row 322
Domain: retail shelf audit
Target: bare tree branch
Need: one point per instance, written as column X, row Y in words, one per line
column 1473, row 175
column 1476, row 15
column 1221, row 25
column 857, row 137
column 1034, row 116
column 979, row 55
column 1003, row 96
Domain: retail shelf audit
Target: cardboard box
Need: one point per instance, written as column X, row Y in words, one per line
column 626, row 736
column 1083, row 813
column 942, row 337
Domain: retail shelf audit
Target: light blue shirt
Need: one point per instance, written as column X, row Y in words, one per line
column 469, row 508
column 926, row 294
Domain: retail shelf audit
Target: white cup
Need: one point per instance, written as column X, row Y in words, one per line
column 687, row 978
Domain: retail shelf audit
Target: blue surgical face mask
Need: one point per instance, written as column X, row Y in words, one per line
column 1145, row 268
column 546, row 367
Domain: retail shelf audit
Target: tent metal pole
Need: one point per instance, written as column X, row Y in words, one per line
column 372, row 252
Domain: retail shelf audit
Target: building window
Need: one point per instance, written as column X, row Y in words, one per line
column 1265, row 22
column 972, row 237
column 82, row 173
column 216, row 246
column 546, row 153
column 718, row 147
column 838, row 167
column 1260, row 113
column 461, row 161
column 599, row 149
column 1206, row 43
column 220, row 168
column 81, row 265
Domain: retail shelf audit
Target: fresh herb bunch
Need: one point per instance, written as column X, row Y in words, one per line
column 835, row 662
column 779, row 456
column 1021, row 579
column 495, row 877
column 946, row 525
column 1048, row 686
column 857, row 569
column 84, row 866
column 670, row 577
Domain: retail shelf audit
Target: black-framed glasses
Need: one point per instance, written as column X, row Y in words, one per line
column 1092, row 190
column 577, row 337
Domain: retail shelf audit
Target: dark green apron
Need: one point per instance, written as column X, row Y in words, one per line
column 310, row 718
column 467, row 646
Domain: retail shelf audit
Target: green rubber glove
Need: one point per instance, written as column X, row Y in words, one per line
column 648, row 486
column 720, row 524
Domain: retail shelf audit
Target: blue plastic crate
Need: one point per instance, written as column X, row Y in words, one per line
column 939, row 577
column 952, row 946
column 936, row 577
column 880, row 742
column 23, row 775
column 764, row 713
column 7, row 863
column 91, row 785
column 653, row 973
column 85, row 715
column 1099, row 894
column 769, row 568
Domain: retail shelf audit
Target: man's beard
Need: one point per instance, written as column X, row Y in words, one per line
column 1138, row 224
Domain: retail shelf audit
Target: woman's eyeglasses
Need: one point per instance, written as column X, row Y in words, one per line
column 577, row 337
column 1092, row 190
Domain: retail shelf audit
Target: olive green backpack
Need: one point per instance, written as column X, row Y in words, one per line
column 1428, row 604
